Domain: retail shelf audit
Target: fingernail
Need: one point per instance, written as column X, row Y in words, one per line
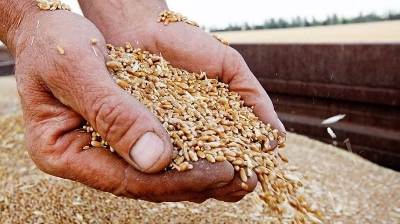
column 281, row 127
column 147, row 151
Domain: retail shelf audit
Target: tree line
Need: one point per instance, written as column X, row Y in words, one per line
column 304, row 22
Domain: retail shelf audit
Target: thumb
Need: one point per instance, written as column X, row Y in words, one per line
column 130, row 128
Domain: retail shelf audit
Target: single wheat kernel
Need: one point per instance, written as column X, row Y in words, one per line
column 96, row 144
column 123, row 84
column 275, row 133
column 238, row 162
column 220, row 158
column 193, row 156
column 201, row 154
column 183, row 166
column 114, row 65
column 229, row 153
column 243, row 175
column 244, row 186
column 60, row 50
column 210, row 158
column 214, row 144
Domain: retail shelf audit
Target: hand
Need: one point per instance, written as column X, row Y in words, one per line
column 62, row 87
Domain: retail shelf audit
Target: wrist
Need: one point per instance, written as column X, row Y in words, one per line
column 14, row 14
column 119, row 18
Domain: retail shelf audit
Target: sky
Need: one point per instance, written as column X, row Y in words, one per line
column 221, row 13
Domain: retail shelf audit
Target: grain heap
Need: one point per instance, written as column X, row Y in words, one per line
column 207, row 121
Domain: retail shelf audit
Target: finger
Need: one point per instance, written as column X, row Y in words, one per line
column 112, row 174
column 189, row 185
column 226, row 185
column 235, row 190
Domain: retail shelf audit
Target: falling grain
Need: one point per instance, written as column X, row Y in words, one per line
column 333, row 119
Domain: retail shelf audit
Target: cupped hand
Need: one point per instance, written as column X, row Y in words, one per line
column 63, row 81
column 191, row 48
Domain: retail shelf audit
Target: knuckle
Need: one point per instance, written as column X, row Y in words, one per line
column 46, row 152
column 108, row 115
column 50, row 164
column 114, row 118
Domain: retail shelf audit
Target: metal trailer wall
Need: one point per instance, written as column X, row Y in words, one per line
column 311, row 82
